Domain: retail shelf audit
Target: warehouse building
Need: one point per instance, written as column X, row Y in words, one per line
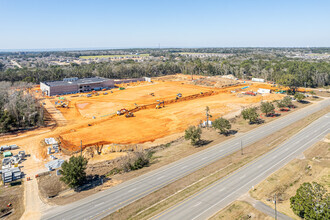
column 75, row 85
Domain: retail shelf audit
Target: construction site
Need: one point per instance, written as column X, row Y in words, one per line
column 137, row 115
column 143, row 114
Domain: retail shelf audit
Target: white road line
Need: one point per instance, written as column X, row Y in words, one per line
column 241, row 177
column 197, row 204
column 204, row 158
column 131, row 190
column 221, row 189
column 160, row 177
column 183, row 167
column 98, row 204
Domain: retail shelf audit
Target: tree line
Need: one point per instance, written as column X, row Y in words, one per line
column 284, row 71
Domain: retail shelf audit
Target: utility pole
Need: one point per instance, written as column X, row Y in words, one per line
column 207, row 116
column 241, row 147
column 275, row 206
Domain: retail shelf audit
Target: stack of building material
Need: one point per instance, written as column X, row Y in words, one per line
column 11, row 174
column 10, row 147
column 50, row 141
column 54, row 164
column 13, row 147
column 21, row 154
column 6, row 163
column 15, row 159
column 53, row 157
column 55, row 147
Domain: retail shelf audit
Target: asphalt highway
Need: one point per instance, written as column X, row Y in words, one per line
column 104, row 203
column 208, row 201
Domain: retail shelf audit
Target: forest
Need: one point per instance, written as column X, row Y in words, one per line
column 18, row 108
column 290, row 72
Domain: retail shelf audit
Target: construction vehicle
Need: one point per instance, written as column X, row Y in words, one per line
column 62, row 104
column 129, row 114
column 179, row 95
column 159, row 105
column 251, row 93
column 122, row 111
column 105, row 93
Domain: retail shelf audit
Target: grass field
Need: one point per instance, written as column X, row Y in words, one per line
column 312, row 166
column 114, row 56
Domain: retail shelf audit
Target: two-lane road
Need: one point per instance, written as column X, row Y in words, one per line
column 103, row 203
column 218, row 195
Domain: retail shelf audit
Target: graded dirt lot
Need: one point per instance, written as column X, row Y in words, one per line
column 148, row 123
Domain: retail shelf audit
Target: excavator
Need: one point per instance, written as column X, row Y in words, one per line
column 159, row 105
column 122, row 111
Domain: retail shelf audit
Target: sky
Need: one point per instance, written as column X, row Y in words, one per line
column 51, row 24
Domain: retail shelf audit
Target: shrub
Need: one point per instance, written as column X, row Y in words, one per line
column 267, row 108
column 222, row 124
column 193, row 134
column 287, row 101
column 299, row 96
column 250, row 114
column 73, row 171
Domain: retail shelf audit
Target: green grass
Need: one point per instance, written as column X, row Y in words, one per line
column 113, row 56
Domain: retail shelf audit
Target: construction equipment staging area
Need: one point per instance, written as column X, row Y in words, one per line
column 74, row 85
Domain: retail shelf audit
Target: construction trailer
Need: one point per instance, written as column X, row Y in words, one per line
column 258, row 80
column 263, row 91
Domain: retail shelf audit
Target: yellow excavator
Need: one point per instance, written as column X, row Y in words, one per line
column 159, row 105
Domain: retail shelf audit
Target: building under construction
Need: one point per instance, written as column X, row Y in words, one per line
column 74, row 85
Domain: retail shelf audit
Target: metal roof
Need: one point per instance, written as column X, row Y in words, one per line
column 77, row 82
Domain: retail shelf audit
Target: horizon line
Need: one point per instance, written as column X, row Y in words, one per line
column 135, row 48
